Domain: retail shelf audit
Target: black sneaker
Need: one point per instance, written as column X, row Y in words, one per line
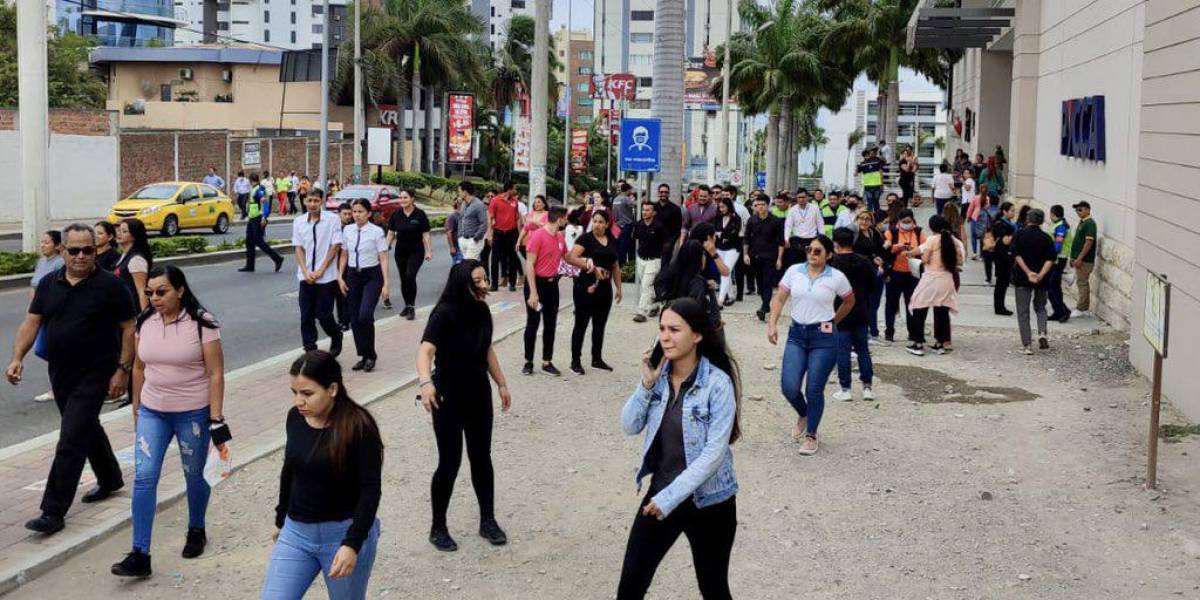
column 368, row 365
column 1004, row 312
column 762, row 316
column 1043, row 343
column 135, row 564
column 639, row 318
column 245, row 270
column 278, row 265
column 335, row 345
column 46, row 524
column 344, row 327
column 440, row 538
column 194, row 546
column 527, row 369
column 358, row 366
column 916, row 349
column 551, row 369
column 600, row 364
column 577, row 368
column 99, row 493
column 387, row 304
column 490, row 531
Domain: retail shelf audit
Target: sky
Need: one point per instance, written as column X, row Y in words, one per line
column 581, row 14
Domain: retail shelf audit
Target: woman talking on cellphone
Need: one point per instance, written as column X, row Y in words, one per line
column 453, row 364
column 329, row 488
column 688, row 405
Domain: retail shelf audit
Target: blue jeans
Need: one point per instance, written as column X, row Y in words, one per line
column 455, row 258
column 812, row 352
column 855, row 339
column 154, row 432
column 873, row 194
column 305, row 549
column 876, row 299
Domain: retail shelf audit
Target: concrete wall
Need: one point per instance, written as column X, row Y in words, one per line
column 981, row 83
column 84, row 164
column 1092, row 48
column 1168, row 207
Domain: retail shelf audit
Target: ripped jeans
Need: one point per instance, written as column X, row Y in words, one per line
column 154, row 432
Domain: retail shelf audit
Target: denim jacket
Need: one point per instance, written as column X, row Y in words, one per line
column 708, row 415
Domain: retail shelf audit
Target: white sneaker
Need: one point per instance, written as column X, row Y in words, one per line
column 1027, row 350
column 868, row 394
column 843, row 395
column 47, row 397
column 1079, row 314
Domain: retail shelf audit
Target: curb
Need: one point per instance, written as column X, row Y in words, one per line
column 21, row 280
column 42, row 563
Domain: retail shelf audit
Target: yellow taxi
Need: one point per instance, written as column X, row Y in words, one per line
column 172, row 206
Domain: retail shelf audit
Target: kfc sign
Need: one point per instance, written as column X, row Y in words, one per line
column 614, row 86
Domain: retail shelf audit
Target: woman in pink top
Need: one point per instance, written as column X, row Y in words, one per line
column 942, row 254
column 178, row 392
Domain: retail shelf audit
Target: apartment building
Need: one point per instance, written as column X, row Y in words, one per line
column 576, row 56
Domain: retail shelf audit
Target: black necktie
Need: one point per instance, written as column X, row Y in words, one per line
column 314, row 252
column 357, row 241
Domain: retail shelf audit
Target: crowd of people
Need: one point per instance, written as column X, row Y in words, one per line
column 115, row 327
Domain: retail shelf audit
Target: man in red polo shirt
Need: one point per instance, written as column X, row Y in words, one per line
column 504, row 220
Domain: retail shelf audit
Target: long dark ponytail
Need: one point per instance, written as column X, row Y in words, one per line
column 712, row 347
column 188, row 302
column 949, row 252
column 347, row 420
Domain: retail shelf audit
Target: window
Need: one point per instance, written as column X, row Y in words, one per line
column 871, row 129
column 582, row 87
column 493, row 29
column 517, row 4
column 293, row 37
column 641, row 38
column 640, row 104
column 928, row 128
column 222, row 25
column 907, row 109
column 583, row 102
column 241, row 22
column 641, row 59
column 189, row 194
column 927, row 110
column 293, row 17
column 645, row 82
column 904, row 130
column 926, row 151
column 872, row 108
column 208, row 191
column 585, row 70
column 318, row 9
column 585, row 119
column 318, row 28
column 267, row 35
column 641, row 15
column 222, row 7
column 493, row 11
column 585, row 55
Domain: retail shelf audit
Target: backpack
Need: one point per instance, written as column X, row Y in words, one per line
column 895, row 235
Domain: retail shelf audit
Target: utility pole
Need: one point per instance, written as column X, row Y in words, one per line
column 567, row 139
column 723, row 126
column 540, row 95
column 358, row 107
column 33, row 99
column 325, row 37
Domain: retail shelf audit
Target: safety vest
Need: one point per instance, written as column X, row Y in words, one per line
column 254, row 205
column 830, row 216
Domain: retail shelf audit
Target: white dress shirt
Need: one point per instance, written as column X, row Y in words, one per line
column 241, row 186
column 363, row 245
column 803, row 222
column 318, row 238
column 742, row 212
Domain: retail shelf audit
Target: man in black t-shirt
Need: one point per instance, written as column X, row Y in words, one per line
column 671, row 217
column 88, row 320
column 763, row 248
column 649, row 239
column 1033, row 258
column 853, row 330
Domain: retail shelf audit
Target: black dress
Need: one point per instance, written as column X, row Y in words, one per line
column 593, row 304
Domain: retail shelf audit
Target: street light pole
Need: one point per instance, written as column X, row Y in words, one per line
column 723, row 127
column 325, row 37
column 567, row 119
column 358, row 108
column 540, row 95
column 32, row 103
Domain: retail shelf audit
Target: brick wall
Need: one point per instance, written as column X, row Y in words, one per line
column 200, row 150
column 69, row 122
column 146, row 158
column 288, row 155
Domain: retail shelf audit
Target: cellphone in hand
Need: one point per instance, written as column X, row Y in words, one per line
column 656, row 354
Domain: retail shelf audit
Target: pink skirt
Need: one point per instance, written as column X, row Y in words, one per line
column 936, row 288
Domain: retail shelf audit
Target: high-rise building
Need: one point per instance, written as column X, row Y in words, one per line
column 922, row 118
column 625, row 44
column 575, row 59
column 496, row 13
column 290, row 24
column 130, row 23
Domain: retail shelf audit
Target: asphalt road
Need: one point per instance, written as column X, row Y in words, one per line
column 277, row 229
column 258, row 313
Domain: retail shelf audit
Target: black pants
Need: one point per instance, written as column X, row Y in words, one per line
column 1004, row 267
column 242, row 199
column 365, row 286
column 79, row 397
column 408, row 263
column 941, row 324
column 710, row 532
column 743, row 279
column 989, row 261
column 316, row 304
column 594, row 308
column 504, row 257
column 485, row 258
column 547, row 289
column 343, row 307
column 1059, row 308
column 291, row 196
column 256, row 239
column 462, row 415
column 906, row 190
column 765, row 278
column 899, row 285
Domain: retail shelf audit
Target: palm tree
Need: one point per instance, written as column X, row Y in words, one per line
column 666, row 101
column 852, row 141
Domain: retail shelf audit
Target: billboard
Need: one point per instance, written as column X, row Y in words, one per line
column 579, row 150
column 698, row 80
column 613, row 86
column 460, row 127
column 522, row 138
column 390, row 116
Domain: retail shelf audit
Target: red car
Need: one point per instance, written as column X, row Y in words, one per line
column 383, row 200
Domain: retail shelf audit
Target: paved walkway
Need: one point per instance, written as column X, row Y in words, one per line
column 257, row 400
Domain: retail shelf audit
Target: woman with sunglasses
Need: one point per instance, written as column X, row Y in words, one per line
column 811, row 348
column 454, row 361
column 136, row 259
column 178, row 393
column 408, row 230
column 363, row 278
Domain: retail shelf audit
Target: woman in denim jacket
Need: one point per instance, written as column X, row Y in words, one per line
column 688, row 406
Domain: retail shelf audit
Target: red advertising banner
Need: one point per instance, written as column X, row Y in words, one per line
column 579, row 150
column 611, row 118
column 389, row 115
column 613, row 86
column 460, row 125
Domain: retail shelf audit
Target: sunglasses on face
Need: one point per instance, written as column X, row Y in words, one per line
column 159, row 293
column 86, row 250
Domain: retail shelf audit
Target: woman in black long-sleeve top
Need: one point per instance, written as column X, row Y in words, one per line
column 729, row 245
column 869, row 243
column 329, row 488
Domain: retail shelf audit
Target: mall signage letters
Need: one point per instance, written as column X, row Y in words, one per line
column 1082, row 132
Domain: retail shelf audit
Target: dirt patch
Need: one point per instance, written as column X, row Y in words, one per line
column 934, row 387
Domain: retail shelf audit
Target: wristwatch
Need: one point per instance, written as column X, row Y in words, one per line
column 126, row 366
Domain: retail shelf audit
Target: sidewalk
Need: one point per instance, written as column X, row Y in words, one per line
column 257, row 400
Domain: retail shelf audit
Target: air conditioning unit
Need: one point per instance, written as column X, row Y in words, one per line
column 185, row 74
column 227, row 75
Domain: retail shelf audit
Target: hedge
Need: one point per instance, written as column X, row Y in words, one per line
column 187, row 244
column 15, row 263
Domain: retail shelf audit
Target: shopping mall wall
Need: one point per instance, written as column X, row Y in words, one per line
column 1090, row 48
column 1168, row 208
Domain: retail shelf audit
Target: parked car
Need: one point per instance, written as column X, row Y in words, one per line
column 172, row 206
column 382, row 197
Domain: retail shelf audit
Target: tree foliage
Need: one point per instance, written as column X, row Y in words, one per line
column 71, row 84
